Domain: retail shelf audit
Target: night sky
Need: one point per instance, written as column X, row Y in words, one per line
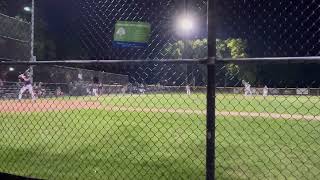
column 272, row 28
column 89, row 26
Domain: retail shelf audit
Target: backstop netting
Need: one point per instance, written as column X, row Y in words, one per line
column 14, row 38
column 69, row 81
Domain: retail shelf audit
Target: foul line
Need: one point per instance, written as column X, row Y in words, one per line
column 45, row 106
column 271, row 115
column 218, row 113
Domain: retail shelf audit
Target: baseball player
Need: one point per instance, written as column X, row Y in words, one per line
column 188, row 89
column 27, row 85
column 95, row 90
column 265, row 91
column 95, row 86
column 247, row 88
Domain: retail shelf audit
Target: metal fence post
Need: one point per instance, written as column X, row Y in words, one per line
column 32, row 58
column 210, row 160
column 210, row 155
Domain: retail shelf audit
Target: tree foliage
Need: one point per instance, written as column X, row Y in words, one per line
column 227, row 48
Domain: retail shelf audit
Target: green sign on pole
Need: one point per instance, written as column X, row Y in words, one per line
column 131, row 34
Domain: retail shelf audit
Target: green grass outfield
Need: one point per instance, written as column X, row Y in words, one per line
column 105, row 144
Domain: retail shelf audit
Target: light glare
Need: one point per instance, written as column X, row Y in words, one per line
column 186, row 24
column 28, row 9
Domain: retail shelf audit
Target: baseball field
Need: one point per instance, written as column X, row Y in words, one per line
column 160, row 136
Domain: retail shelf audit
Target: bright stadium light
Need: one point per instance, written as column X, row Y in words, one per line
column 27, row 8
column 11, row 69
column 186, row 24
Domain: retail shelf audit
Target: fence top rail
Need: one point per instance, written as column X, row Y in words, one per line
column 88, row 62
column 13, row 39
column 307, row 59
column 15, row 19
column 87, row 70
column 288, row 60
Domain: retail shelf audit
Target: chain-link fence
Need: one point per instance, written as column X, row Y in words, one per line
column 14, row 38
column 266, row 129
column 153, row 127
column 87, row 29
column 273, row 28
column 163, row 89
column 267, row 103
column 15, row 31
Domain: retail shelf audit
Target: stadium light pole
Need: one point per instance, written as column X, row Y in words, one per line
column 32, row 32
column 32, row 57
column 186, row 25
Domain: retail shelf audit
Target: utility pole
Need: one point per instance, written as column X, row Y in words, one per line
column 32, row 57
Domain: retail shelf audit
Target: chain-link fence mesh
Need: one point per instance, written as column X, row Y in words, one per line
column 3, row 7
column 14, row 39
column 70, row 81
column 146, row 119
column 267, row 112
column 148, row 124
column 266, row 129
column 15, row 32
column 271, row 28
column 86, row 29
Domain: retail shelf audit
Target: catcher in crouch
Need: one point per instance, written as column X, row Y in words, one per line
column 27, row 85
